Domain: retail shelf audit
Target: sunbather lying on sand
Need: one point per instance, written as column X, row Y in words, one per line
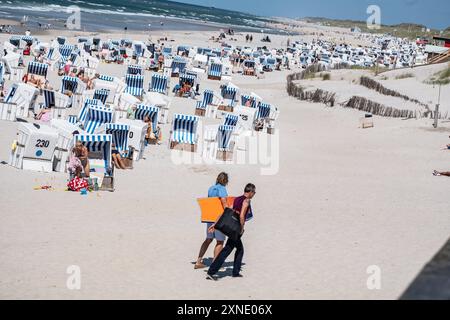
column 437, row 173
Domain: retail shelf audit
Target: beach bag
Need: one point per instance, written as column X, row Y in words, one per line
column 229, row 224
column 76, row 184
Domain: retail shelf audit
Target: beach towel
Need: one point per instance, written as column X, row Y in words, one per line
column 76, row 184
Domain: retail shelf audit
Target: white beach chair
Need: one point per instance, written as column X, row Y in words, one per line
column 11, row 64
column 65, row 131
column 34, row 147
column 57, row 102
column 20, row 99
column 162, row 102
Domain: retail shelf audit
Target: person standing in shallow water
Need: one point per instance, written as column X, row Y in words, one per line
column 242, row 206
column 216, row 191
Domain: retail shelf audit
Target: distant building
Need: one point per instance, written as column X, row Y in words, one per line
column 442, row 42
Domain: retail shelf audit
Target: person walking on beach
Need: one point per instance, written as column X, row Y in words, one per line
column 242, row 206
column 218, row 190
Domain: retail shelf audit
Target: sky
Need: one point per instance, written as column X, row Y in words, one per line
column 432, row 13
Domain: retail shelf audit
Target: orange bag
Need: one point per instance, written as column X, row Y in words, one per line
column 211, row 208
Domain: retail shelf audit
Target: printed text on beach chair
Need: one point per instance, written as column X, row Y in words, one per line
column 119, row 133
column 215, row 71
column 184, row 131
column 245, row 98
column 38, row 69
column 135, row 69
column 159, row 84
column 96, row 116
column 102, row 95
column 263, row 110
column 151, row 111
column 135, row 85
column 231, row 120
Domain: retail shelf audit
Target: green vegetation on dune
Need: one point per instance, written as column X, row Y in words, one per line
column 402, row 30
column 441, row 77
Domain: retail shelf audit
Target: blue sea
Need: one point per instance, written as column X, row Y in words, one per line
column 133, row 14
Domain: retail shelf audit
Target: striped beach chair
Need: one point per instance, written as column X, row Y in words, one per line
column 2, row 72
column 119, row 133
column 152, row 112
column 106, row 78
column 231, row 120
column 28, row 39
column 189, row 78
column 71, row 84
column 184, row 133
column 178, row 66
column 215, row 71
column 200, row 108
column 61, row 40
column 135, row 84
column 37, row 69
column 102, row 95
column 82, row 114
column 57, row 102
column 224, row 143
column 135, row 69
column 65, row 51
column 263, row 110
column 73, row 119
column 245, row 98
column 99, row 157
column 96, row 116
column 159, row 83
column 229, row 94
column 15, row 41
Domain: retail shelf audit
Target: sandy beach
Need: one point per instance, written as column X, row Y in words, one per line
column 343, row 199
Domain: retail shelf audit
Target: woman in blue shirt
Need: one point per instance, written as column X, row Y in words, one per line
column 216, row 191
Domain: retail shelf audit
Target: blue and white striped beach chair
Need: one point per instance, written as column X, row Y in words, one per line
column 189, row 78
column 102, row 95
column 245, row 98
column 72, row 119
column 2, row 72
column 184, row 132
column 61, row 40
column 200, row 108
column 15, row 41
column 159, row 83
column 152, row 112
column 215, row 71
column 119, row 133
column 135, row 84
column 28, row 39
column 229, row 94
column 82, row 114
column 57, row 102
column 99, row 151
column 106, row 78
column 224, row 143
column 135, row 69
column 231, row 120
column 69, row 84
column 96, row 116
column 65, row 51
column 167, row 51
column 263, row 111
column 178, row 66
column 37, row 69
